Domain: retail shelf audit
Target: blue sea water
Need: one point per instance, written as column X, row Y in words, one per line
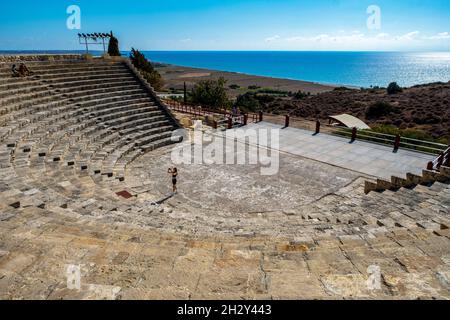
column 360, row 69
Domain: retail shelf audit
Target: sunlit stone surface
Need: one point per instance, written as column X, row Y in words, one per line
column 81, row 132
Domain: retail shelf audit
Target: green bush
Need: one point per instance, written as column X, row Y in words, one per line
column 264, row 98
column 155, row 79
column 299, row 95
column 234, row 86
column 380, row 109
column 247, row 102
column 113, row 46
column 146, row 68
column 394, row 88
column 176, row 98
column 211, row 93
column 273, row 91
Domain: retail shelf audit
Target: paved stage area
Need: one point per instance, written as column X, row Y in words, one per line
column 237, row 189
column 366, row 158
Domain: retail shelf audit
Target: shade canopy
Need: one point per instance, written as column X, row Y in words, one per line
column 350, row 121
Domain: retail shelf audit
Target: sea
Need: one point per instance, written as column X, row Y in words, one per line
column 357, row 69
column 360, row 69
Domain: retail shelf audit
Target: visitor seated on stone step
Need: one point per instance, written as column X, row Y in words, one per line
column 24, row 71
column 14, row 71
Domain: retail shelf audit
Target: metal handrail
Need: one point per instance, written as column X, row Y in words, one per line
column 180, row 106
column 408, row 143
column 442, row 160
column 374, row 133
column 198, row 110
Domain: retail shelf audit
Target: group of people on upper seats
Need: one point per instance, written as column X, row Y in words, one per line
column 22, row 71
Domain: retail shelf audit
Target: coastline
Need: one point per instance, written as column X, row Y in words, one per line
column 175, row 76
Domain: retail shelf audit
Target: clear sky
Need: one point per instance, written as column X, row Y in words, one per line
column 404, row 25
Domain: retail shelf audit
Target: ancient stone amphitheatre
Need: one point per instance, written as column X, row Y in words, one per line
column 85, row 146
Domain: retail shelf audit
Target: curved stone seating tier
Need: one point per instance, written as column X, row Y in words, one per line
column 46, row 76
column 70, row 87
column 93, row 96
column 69, row 115
column 52, row 82
column 87, row 106
column 57, row 150
column 40, row 70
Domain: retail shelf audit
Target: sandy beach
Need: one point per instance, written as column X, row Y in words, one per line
column 175, row 76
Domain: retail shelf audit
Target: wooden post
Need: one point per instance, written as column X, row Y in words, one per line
column 245, row 119
column 214, row 124
column 354, row 134
column 430, row 165
column 260, row 116
column 317, row 127
column 397, row 142
column 230, row 122
column 286, row 121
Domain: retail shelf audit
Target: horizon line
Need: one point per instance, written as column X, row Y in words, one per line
column 168, row 50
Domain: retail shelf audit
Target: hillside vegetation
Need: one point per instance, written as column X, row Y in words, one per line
column 424, row 107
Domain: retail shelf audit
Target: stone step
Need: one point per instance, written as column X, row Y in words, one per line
column 149, row 116
column 445, row 171
column 63, row 69
column 61, row 81
column 161, row 143
column 63, row 65
column 95, row 99
column 115, row 141
column 15, row 83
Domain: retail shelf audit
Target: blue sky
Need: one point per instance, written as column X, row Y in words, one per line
column 231, row 24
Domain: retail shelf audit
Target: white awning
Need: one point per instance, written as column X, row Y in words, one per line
column 350, row 121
